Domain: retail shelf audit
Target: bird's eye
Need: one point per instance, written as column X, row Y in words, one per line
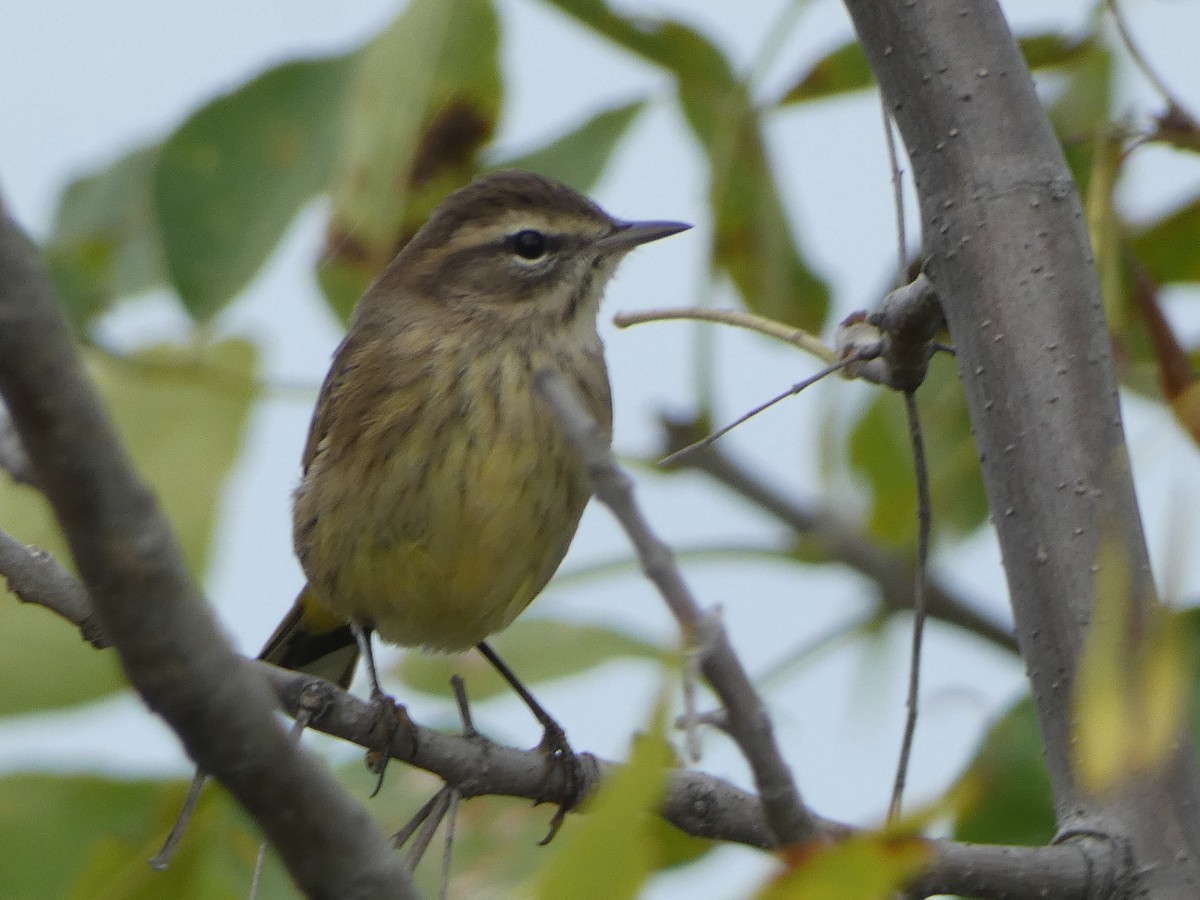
column 528, row 244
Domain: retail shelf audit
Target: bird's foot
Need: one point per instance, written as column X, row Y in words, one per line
column 560, row 756
column 388, row 718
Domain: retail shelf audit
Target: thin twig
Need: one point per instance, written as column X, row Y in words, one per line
column 1174, row 105
column 889, row 139
column 749, row 724
column 427, row 829
column 448, row 842
column 924, row 519
column 797, row 337
column 35, row 576
column 459, row 688
column 762, row 407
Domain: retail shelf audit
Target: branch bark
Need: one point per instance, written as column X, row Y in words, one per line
column 699, row 804
column 150, row 609
column 1010, row 258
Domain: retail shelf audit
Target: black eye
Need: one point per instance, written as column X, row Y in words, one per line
column 528, row 244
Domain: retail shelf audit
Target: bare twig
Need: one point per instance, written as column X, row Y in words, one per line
column 749, row 724
column 924, row 519
column 897, row 175
column 1175, row 108
column 797, row 337
column 839, row 541
column 35, row 576
column 795, row 389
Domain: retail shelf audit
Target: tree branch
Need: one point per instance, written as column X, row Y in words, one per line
column 746, row 719
column 1008, row 254
column 148, row 606
column 839, row 542
column 699, row 804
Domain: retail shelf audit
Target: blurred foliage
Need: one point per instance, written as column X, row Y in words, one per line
column 539, row 649
column 382, row 133
column 182, row 414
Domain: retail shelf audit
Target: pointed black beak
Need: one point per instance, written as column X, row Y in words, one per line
column 627, row 235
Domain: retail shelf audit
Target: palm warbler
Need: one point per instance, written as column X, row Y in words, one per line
column 437, row 495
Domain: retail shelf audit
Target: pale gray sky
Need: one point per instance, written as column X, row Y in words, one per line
column 82, row 82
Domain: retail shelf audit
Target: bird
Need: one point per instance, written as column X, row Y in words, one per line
column 437, row 496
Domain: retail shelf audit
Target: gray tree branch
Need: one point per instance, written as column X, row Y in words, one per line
column 1009, row 257
column 839, row 541
column 149, row 608
column 699, row 804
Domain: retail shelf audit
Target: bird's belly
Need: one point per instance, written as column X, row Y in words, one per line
column 455, row 544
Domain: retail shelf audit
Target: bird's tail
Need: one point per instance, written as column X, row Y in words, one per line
column 312, row 640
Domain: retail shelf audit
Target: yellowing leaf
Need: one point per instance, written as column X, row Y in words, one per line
column 868, row 866
column 609, row 854
column 1104, row 228
column 424, row 97
column 1131, row 687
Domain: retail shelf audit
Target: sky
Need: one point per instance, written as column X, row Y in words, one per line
column 81, row 83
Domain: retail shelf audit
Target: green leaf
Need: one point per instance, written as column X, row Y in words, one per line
column 1052, row 50
column 1169, row 249
column 840, row 71
column 105, row 244
column 181, row 414
column 1082, row 108
column 1015, row 805
column 580, row 156
column 424, row 97
column 84, row 837
column 538, row 650
column 611, row 852
column 845, row 69
column 753, row 241
column 235, row 174
column 880, row 452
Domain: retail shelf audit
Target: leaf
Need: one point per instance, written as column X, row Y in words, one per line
column 105, row 244
column 538, row 650
column 840, row 71
column 1015, row 804
column 424, row 96
column 1130, row 689
column 85, row 837
column 1167, row 248
column 181, row 414
column 1176, row 376
column 753, row 242
column 614, row 836
column 580, row 156
column 868, row 866
column 1104, row 229
column 1082, row 107
column 844, row 69
column 234, row 175
column 880, row 452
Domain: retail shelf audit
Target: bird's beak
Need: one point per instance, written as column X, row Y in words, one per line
column 627, row 235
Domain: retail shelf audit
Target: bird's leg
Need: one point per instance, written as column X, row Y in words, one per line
column 385, row 706
column 554, row 740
